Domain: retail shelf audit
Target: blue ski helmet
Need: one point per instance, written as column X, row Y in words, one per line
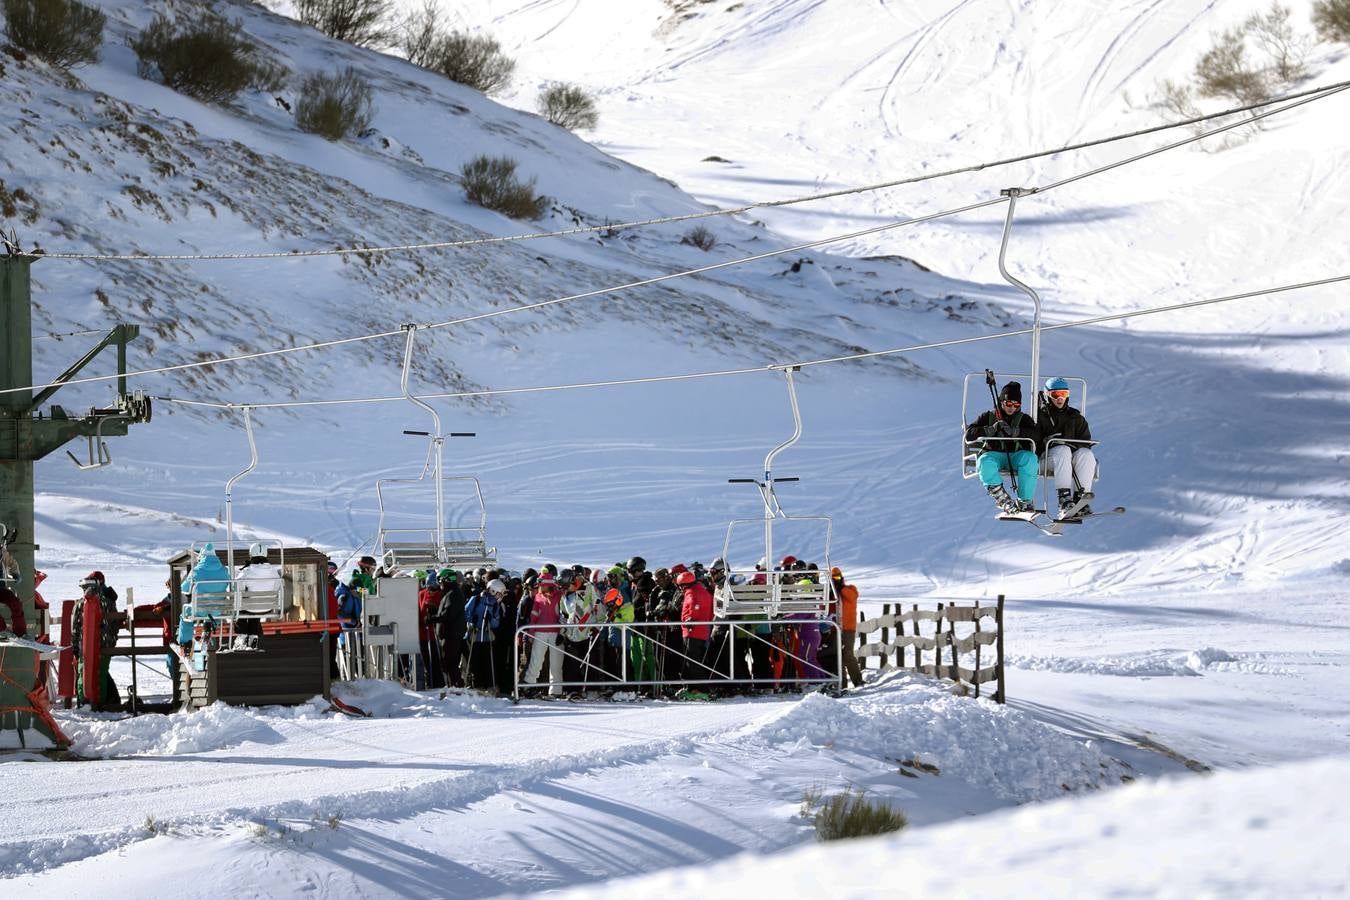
column 1056, row 384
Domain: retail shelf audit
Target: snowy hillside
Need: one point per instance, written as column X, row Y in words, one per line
column 1204, row 630
column 1232, row 394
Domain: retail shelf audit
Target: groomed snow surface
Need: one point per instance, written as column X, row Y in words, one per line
column 1098, row 778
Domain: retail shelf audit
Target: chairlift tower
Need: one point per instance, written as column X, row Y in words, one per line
column 27, row 435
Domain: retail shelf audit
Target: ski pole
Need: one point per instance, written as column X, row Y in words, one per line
column 998, row 417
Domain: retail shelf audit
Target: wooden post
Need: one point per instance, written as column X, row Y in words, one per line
column 885, row 636
column 937, row 644
column 977, row 649
column 859, row 639
column 918, row 651
column 131, row 621
column 1001, row 695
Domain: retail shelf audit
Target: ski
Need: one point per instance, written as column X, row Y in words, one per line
column 1097, row 515
column 1052, row 529
column 1072, row 517
column 47, row 651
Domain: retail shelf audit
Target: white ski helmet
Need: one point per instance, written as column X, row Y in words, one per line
column 257, row 551
column 496, row 586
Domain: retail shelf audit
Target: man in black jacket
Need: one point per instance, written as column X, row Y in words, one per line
column 1074, row 464
column 1007, row 429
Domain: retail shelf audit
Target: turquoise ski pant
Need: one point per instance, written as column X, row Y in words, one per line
column 1023, row 462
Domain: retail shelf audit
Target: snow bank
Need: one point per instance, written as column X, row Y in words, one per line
column 1000, row 749
column 214, row 728
column 1249, row 833
column 1153, row 663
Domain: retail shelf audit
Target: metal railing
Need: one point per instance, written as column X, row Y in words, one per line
column 669, row 646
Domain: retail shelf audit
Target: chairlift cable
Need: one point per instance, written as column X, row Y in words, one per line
column 1311, row 93
column 319, row 345
column 770, row 367
column 699, row 270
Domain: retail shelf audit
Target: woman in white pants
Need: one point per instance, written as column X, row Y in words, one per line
column 544, row 615
column 1074, row 465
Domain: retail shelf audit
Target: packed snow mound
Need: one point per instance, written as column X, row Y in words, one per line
column 390, row 700
column 1246, row 833
column 983, row 743
column 217, row 727
column 1160, row 663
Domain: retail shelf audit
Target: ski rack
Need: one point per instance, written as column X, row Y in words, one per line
column 750, row 591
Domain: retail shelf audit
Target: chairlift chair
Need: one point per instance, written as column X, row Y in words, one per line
column 233, row 598
column 424, row 546
column 971, row 450
column 738, row 594
column 427, row 547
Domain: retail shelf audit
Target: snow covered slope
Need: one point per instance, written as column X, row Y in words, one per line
column 1202, row 630
column 1238, row 476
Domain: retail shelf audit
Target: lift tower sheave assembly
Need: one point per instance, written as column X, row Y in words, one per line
column 26, row 433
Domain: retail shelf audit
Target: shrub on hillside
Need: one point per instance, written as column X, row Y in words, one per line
column 63, row 32
column 1224, row 70
column 850, row 815
column 700, row 237
column 474, row 60
column 418, row 33
column 364, row 23
column 1286, row 49
column 567, row 106
column 491, row 182
column 1332, row 19
column 335, row 106
column 205, row 58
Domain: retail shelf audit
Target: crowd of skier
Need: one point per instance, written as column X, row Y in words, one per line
column 562, row 628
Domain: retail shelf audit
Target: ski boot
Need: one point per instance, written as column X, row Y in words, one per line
column 1082, row 497
column 1006, row 504
column 1066, row 501
column 1025, row 506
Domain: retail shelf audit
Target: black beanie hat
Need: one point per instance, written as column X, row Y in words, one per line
column 1011, row 391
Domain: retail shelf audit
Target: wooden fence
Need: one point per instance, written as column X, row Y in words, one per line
column 948, row 651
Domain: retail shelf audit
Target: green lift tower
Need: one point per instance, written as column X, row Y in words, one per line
column 27, row 435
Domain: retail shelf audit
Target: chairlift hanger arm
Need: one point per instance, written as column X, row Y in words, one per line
column 99, row 456
column 1012, row 194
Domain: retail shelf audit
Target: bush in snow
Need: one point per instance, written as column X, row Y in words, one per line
column 1286, row 49
column 360, row 22
column 850, row 815
column 699, row 237
column 63, row 32
column 419, row 32
column 206, row 58
column 1224, row 70
column 335, row 106
column 1332, row 19
column 474, row 60
column 568, row 106
column 490, row 181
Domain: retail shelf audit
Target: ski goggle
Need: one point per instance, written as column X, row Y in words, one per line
column 1012, row 402
column 1060, row 395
